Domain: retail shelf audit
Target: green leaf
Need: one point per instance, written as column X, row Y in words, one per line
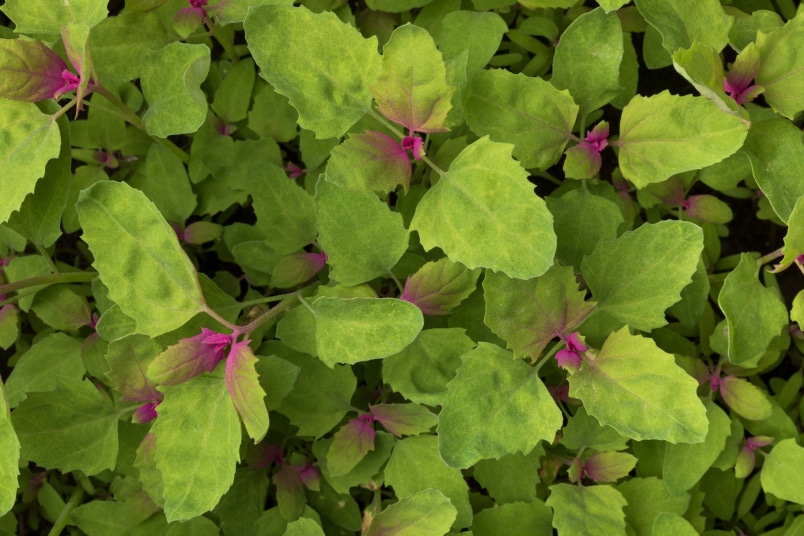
column 777, row 157
column 584, row 431
column 440, row 286
column 782, row 471
column 750, row 329
column 370, row 162
column 685, row 464
column 361, row 236
column 197, row 445
column 647, row 498
column 404, row 419
column 664, row 134
column 529, row 314
column 745, row 399
column 139, row 258
column 359, row 329
column 30, row 139
column 166, row 184
column 364, row 471
column 324, row 66
column 349, row 446
column 474, row 214
column 510, row 479
column 411, row 89
column 38, row 370
column 637, row 389
column 229, row 11
column 171, row 84
column 50, row 16
column 528, row 112
column 604, row 467
column 681, row 22
column 661, row 257
column 478, row 33
column 9, row 456
column 782, row 67
column 415, row 465
column 612, row 5
column 587, row 511
column 303, row 527
column 70, row 428
column 587, row 60
column 128, row 360
column 670, row 524
column 271, row 116
column 243, row 385
column 277, row 378
column 61, row 308
column 396, row 6
column 421, row 371
column 517, row 519
column 233, row 96
column 495, row 406
column 794, row 238
column 702, row 66
column 31, row 71
column 101, row 517
column 426, row 513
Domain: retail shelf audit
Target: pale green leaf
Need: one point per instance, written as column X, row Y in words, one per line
column 138, row 257
column 243, row 385
column 233, row 96
column 9, row 456
column 512, row 478
column 438, row 287
column 584, row 431
column 782, row 67
column 661, row 257
column 229, row 11
column 396, row 6
column 30, row 139
column 475, row 213
column 783, row 471
column 702, row 66
column 683, row 21
column 587, row 60
column 528, row 112
column 612, row 5
column 166, row 184
column 750, row 329
column 367, row 468
column 50, row 16
column 664, row 134
column 532, row 518
column 197, row 445
column 495, row 406
column 746, row 399
column 303, row 527
column 426, row 513
column 587, row 511
column 370, row 162
column 324, row 66
column 478, row 33
column 670, row 524
column 171, row 84
column 637, row 389
column 647, row 498
column 794, row 239
column 271, row 116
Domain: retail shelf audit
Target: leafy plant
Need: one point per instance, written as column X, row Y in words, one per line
column 444, row 266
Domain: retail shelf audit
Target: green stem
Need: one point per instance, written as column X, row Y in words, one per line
column 387, row 124
column 61, row 521
column 46, row 255
column 211, row 312
column 227, row 45
column 84, row 482
column 770, row 256
column 47, row 280
column 553, row 351
column 270, row 314
column 66, row 108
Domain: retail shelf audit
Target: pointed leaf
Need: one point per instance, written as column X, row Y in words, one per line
column 171, row 85
column 31, row 72
column 751, row 329
column 680, row 22
column 708, row 208
column 197, row 446
column 30, row 139
column 528, row 112
column 661, row 256
column 363, row 239
column 745, row 399
column 782, row 67
column 411, row 89
column 609, row 466
column 324, row 66
column 782, row 473
column 529, row 314
column 702, row 66
column 49, row 16
column 243, row 384
column 403, row 419
column 426, row 513
column 495, row 406
column 440, row 286
column 637, row 389
column 370, row 162
column 138, row 255
column 475, row 213
column 74, row 416
column 349, row 446
column 184, row 360
column 587, row 511
column 360, row 329
column 655, row 140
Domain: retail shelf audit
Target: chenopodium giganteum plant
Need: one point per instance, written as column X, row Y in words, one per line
column 329, row 300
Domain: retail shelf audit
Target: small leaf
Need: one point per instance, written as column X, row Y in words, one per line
column 403, row 419
column 370, row 162
column 426, row 513
column 128, row 359
column 243, row 385
column 440, row 286
column 606, row 467
column 708, row 208
column 587, row 511
column 584, row 431
column 646, row 498
column 782, row 471
column 289, row 492
column 702, row 66
column 745, row 399
column 29, row 70
column 479, row 33
column 349, row 446
column 295, row 269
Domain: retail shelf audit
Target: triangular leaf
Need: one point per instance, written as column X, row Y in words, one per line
column 349, row 446
column 440, row 286
column 369, row 162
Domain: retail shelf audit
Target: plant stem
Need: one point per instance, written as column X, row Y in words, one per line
column 64, row 109
column 211, row 312
column 387, row 124
column 770, row 256
column 556, row 347
column 49, row 261
column 47, row 280
column 61, row 521
column 270, row 314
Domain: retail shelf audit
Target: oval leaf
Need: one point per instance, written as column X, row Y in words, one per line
column 427, row 513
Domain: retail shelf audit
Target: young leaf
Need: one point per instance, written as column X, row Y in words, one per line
column 425, row 513
column 661, row 256
column 74, row 416
column 528, row 112
column 637, row 389
column 751, row 329
column 370, row 162
column 360, row 329
column 702, row 66
column 529, row 314
column 197, row 446
column 440, row 286
column 411, row 89
column 782, row 67
column 128, row 359
column 794, row 239
column 30, row 139
column 49, row 16
column 495, row 406
column 782, row 471
column 665, row 134
column 510, row 479
column 605, row 467
column 233, row 97
column 9, row 456
column 243, row 385
column 587, row 511
column 303, row 527
column 670, row 524
column 289, row 492
column 646, row 498
column 349, row 446
column 745, row 399
column 139, row 257
column 171, row 84
column 31, row 72
column 403, row 419
column 707, row 208
column 324, row 66
column 474, row 214
column 584, row 431
column 681, row 23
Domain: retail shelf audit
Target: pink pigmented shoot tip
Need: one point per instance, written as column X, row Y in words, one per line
column 714, row 383
column 197, row 3
column 71, row 82
column 294, row 171
column 753, row 443
column 366, row 418
column 145, row 413
column 414, row 144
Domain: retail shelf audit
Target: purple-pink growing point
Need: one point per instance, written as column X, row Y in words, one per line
column 70, row 80
column 145, row 413
column 414, row 144
column 570, row 357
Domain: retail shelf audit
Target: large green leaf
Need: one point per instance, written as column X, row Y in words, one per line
column 529, row 314
column 138, row 257
column 76, row 418
column 50, row 16
column 783, row 471
column 587, row 60
column 661, row 257
column 476, row 33
column 587, row 511
column 680, row 22
column 197, row 445
column 475, row 213
column 426, row 513
column 361, row 236
column 637, row 389
column 495, row 406
column 751, row 329
column 30, row 139
column 528, row 112
column 9, row 456
column 781, row 73
column 777, row 158
column 360, row 329
column 665, row 134
column 324, row 66
column 171, row 84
